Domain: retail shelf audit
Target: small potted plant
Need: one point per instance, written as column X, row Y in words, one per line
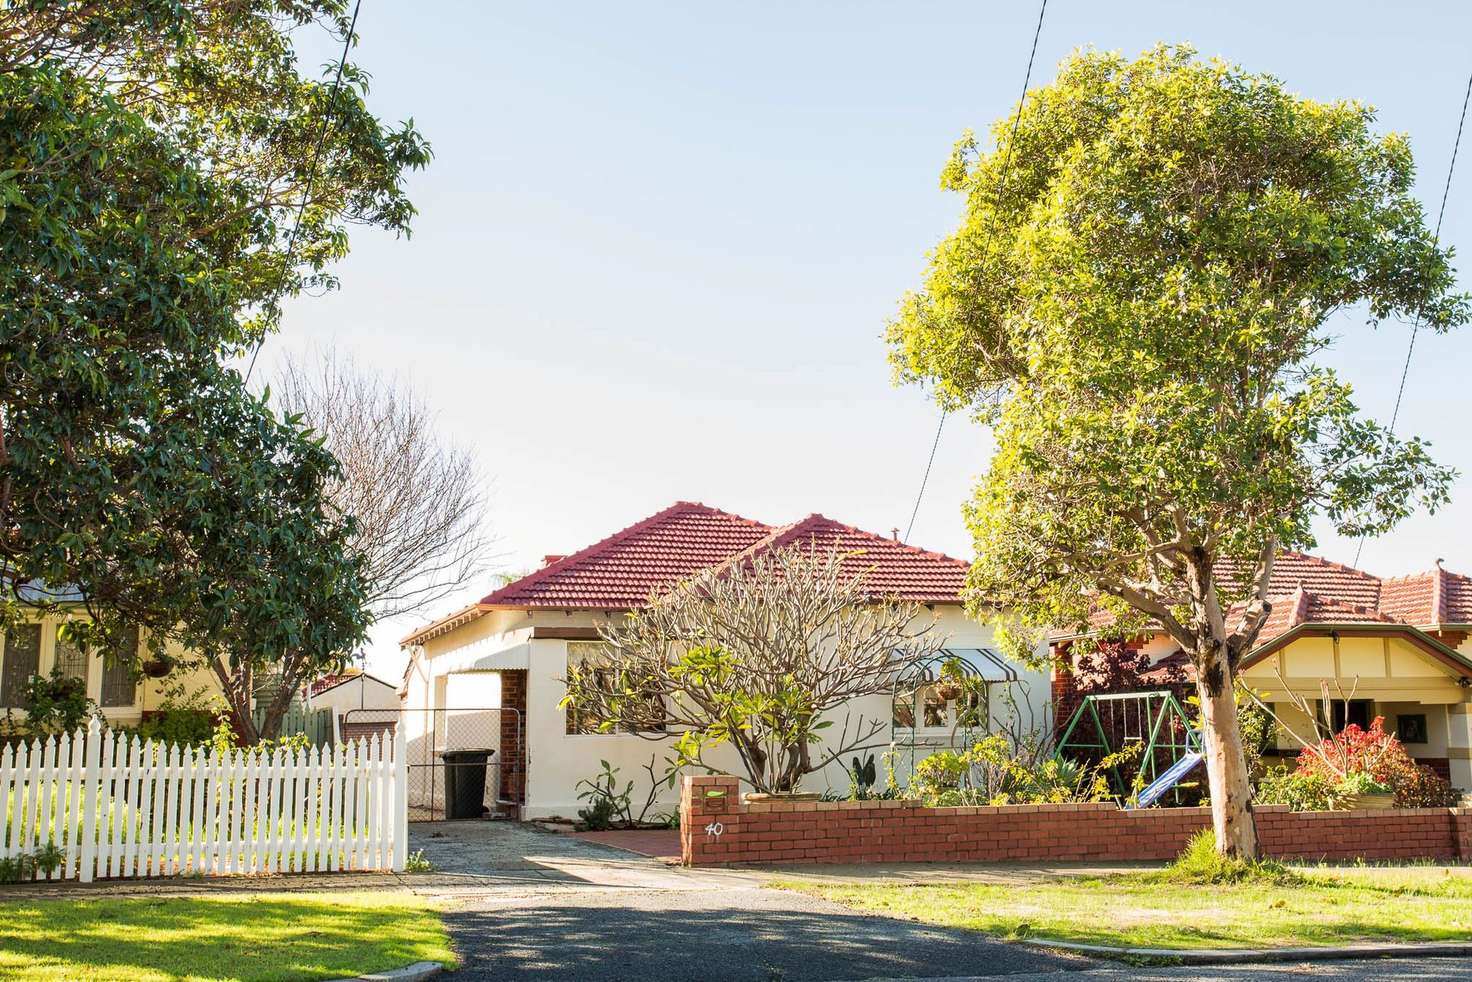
column 1362, row 792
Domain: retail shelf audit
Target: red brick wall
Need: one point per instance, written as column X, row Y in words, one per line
column 717, row 828
column 513, row 736
column 1065, row 691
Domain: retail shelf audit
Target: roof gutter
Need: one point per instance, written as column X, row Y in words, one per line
column 445, row 624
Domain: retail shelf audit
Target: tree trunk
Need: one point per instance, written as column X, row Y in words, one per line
column 1226, row 764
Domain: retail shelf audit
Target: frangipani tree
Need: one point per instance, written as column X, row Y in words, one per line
column 756, row 655
column 1137, row 314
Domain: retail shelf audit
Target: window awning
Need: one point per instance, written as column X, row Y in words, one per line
column 983, row 663
column 473, row 658
column 989, row 664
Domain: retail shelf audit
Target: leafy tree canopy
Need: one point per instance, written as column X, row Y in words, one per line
column 1137, row 311
column 1134, row 300
column 153, row 155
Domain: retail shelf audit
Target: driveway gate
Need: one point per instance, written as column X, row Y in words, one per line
column 463, row 762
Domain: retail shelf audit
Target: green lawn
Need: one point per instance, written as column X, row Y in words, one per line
column 1330, row 906
column 249, row 937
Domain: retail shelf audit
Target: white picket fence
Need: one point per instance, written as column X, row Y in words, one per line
column 120, row 807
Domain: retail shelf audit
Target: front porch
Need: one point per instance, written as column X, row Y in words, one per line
column 1353, row 673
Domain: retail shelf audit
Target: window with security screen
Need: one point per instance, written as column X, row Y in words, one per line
column 587, row 654
column 71, row 660
column 120, row 672
column 18, row 662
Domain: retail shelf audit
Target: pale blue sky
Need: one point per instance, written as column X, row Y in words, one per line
column 659, row 243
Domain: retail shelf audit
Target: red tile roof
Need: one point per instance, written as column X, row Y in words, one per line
column 1434, row 597
column 1331, row 580
column 890, row 568
column 624, row 570
column 1306, row 589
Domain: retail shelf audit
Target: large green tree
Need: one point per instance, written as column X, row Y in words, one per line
column 1136, row 308
column 154, row 158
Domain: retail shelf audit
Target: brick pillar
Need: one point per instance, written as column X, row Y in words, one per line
column 1462, row 833
column 1065, row 691
column 513, row 734
column 1459, row 745
column 709, row 806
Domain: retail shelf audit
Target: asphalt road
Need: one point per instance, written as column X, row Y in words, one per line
column 731, row 934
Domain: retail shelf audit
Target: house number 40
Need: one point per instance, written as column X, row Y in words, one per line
column 714, row 830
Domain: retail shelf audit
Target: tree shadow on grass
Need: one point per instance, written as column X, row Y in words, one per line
column 253, row 938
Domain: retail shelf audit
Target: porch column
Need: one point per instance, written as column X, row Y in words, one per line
column 1459, row 744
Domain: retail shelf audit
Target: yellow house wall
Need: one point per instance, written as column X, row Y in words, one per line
column 1387, row 670
column 1407, row 662
column 150, row 694
column 1306, row 657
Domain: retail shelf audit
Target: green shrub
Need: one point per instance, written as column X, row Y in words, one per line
column 56, row 703
column 1421, row 787
column 185, row 727
column 1299, row 791
column 49, row 858
column 1199, row 864
column 14, row 869
column 1363, row 784
column 598, row 816
column 938, row 774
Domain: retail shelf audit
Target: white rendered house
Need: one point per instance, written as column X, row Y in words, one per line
column 498, row 665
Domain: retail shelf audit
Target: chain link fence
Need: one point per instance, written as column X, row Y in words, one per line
column 463, row 762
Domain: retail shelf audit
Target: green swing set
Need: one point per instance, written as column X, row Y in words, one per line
column 1156, row 719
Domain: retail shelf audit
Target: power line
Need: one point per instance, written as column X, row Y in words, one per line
column 1405, row 370
column 327, row 120
column 987, row 245
column 924, row 480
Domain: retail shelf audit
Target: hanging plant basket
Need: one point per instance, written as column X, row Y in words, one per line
column 157, row 668
column 948, row 691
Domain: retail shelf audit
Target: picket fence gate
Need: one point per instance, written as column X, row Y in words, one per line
column 120, row 807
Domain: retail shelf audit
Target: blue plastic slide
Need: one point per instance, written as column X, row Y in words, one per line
column 1168, row 780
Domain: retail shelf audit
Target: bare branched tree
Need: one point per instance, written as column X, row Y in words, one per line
column 418, row 501
column 755, row 655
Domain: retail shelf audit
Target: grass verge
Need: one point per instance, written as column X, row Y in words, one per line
column 1319, row 907
column 251, row 938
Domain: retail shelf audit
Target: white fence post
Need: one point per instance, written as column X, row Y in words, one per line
column 91, row 788
column 401, row 799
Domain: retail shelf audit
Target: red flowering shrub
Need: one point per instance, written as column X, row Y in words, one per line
column 1381, row 756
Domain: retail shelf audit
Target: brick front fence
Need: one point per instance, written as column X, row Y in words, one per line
column 717, row 829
